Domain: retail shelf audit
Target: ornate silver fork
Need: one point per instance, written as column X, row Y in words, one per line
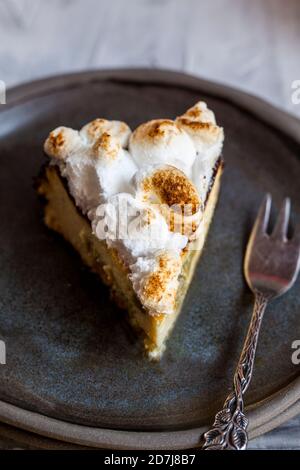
column 271, row 266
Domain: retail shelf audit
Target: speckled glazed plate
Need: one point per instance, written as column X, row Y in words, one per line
column 74, row 372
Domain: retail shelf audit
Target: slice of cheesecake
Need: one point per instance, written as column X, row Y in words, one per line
column 137, row 208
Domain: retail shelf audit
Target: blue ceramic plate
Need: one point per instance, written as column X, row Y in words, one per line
column 74, row 371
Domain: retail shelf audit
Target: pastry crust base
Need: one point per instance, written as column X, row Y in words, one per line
column 61, row 215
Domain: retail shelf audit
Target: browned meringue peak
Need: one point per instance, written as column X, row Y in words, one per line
column 161, row 141
column 62, row 142
column 200, row 112
column 92, row 131
column 173, row 194
column 165, row 184
column 200, row 123
column 157, row 286
column 157, row 129
column 106, row 146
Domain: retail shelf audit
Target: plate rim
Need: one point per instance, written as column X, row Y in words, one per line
column 264, row 415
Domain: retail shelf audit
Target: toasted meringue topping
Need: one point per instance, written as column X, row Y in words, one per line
column 200, row 123
column 106, row 146
column 161, row 141
column 200, row 112
column 115, row 173
column 156, row 281
column 92, row 131
column 173, row 193
column 168, row 166
column 170, row 186
column 95, row 169
column 62, row 142
column 205, row 133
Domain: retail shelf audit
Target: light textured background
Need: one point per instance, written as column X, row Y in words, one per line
column 253, row 45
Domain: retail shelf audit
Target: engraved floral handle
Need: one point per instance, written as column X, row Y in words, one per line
column 229, row 431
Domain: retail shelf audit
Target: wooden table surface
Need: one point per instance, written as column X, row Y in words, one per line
column 253, row 46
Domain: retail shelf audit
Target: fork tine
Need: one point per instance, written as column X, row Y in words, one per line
column 281, row 226
column 263, row 216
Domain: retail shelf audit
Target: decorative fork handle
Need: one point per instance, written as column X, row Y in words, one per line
column 229, row 431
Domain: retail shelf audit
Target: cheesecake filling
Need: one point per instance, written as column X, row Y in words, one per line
column 143, row 192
